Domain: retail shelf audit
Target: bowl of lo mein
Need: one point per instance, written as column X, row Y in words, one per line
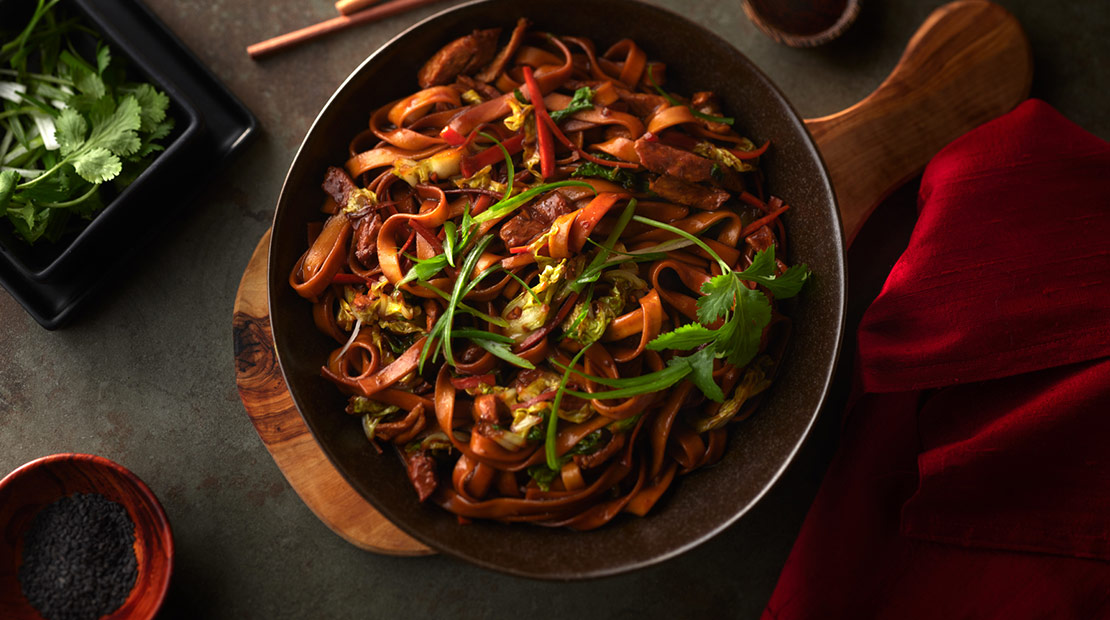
column 558, row 298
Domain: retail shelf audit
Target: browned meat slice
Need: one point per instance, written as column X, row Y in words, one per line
column 463, row 55
column 761, row 239
column 659, row 157
column 706, row 103
column 533, row 220
column 498, row 65
column 338, row 185
column 689, row 194
column 643, row 105
column 487, row 409
column 422, row 472
column 366, row 240
column 729, row 179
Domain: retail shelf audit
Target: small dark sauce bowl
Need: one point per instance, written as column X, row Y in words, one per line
column 36, row 485
column 802, row 23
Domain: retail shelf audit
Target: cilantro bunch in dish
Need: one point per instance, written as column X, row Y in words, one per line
column 73, row 129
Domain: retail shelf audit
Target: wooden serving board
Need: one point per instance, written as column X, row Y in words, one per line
column 968, row 63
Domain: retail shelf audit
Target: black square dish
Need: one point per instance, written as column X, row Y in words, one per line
column 51, row 280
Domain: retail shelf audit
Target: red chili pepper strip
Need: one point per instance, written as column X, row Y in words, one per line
column 519, row 250
column 543, row 131
column 763, row 221
column 473, row 163
column 548, row 395
column 753, row 201
column 750, row 154
column 565, row 141
column 466, row 383
column 348, row 278
column 452, row 137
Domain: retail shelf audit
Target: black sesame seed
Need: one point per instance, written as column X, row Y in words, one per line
column 78, row 558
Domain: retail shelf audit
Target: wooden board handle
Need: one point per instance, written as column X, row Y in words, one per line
column 968, row 63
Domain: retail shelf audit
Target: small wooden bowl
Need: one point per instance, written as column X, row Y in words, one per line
column 32, row 487
column 802, row 23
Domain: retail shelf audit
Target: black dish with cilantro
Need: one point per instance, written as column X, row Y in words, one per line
column 80, row 123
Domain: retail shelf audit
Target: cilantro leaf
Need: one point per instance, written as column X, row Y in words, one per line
column 116, row 130
column 686, row 337
column 69, row 130
column 8, row 180
column 742, row 334
column 701, row 373
column 762, row 272
column 718, row 297
column 103, row 58
column 96, row 165
column 152, row 104
column 583, row 100
column 763, row 265
column 788, row 284
column 29, row 222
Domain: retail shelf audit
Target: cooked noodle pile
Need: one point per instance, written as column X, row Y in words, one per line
column 545, row 229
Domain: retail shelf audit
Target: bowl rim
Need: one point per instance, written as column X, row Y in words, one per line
column 150, row 500
column 829, row 365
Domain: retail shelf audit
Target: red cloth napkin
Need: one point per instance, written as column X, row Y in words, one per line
column 973, row 475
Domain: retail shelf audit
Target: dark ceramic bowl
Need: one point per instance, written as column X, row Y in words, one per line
column 701, row 504
column 36, row 485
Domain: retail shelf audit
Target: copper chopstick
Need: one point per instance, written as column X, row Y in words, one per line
column 347, row 7
column 290, row 39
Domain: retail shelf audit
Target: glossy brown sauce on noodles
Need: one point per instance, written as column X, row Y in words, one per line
column 531, row 264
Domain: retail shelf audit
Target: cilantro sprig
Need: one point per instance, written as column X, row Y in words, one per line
column 740, row 312
column 68, row 125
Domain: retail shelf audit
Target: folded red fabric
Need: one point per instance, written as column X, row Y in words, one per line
column 973, row 476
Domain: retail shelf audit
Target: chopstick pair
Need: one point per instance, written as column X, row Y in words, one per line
column 352, row 13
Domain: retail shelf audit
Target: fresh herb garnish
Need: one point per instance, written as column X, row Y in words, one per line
column 621, row 176
column 508, row 205
column 727, row 120
column 445, row 324
column 583, row 100
column 743, row 313
column 553, row 418
column 593, row 271
column 68, row 126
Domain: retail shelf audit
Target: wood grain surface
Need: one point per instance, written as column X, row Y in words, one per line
column 279, row 424
column 968, row 63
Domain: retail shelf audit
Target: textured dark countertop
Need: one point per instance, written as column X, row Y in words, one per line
column 145, row 374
